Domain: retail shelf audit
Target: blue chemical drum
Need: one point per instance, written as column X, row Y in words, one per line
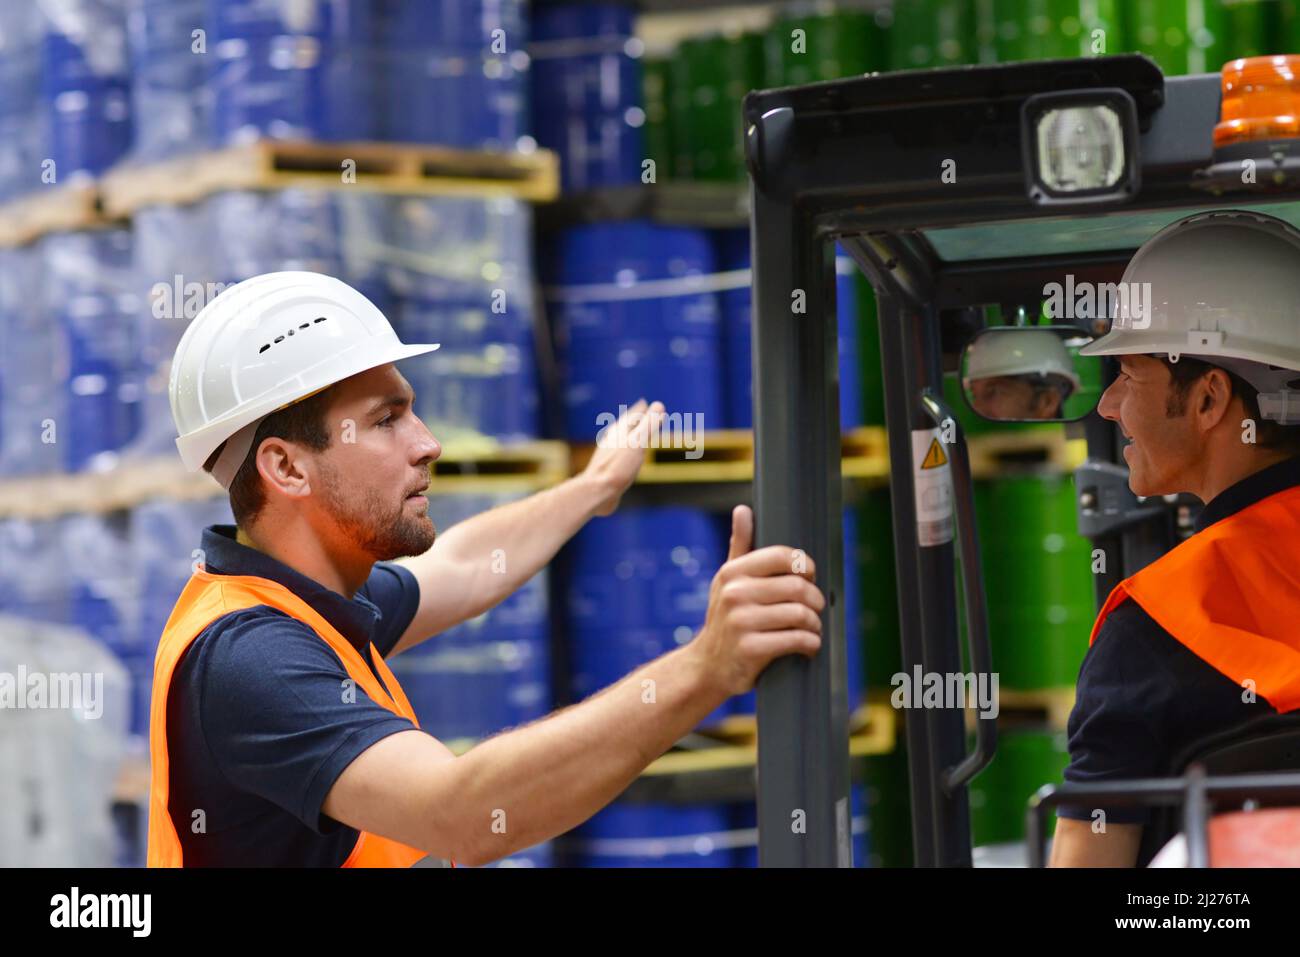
column 587, row 59
column 85, row 89
column 103, row 409
column 652, row 835
column 456, row 73
column 457, row 24
column 294, row 70
column 635, row 315
column 636, row 587
column 86, row 284
column 338, row 21
column 736, row 306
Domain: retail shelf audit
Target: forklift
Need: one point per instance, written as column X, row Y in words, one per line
column 953, row 189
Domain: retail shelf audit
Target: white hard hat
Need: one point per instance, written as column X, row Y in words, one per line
column 1223, row 287
column 1019, row 352
column 262, row 345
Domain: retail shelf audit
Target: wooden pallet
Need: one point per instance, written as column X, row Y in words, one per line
column 48, row 496
column 486, row 464
column 51, row 209
column 379, row 167
column 1049, row 705
column 727, row 455
column 873, row 717
column 865, row 453
column 875, row 735
column 467, row 468
column 1047, row 450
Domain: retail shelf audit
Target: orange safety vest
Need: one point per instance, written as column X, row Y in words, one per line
column 206, row 598
column 1231, row 595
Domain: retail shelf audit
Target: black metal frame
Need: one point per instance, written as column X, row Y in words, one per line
column 859, row 161
column 1194, row 791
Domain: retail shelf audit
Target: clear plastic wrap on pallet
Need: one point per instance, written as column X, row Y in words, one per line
column 22, row 121
column 165, row 541
column 32, row 391
column 90, row 295
column 32, row 583
column 85, row 84
column 62, row 742
column 213, row 73
column 338, row 232
column 170, row 99
column 103, row 584
column 176, row 273
column 460, row 249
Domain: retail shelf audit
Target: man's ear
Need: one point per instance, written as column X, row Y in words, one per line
column 278, row 461
column 1215, row 397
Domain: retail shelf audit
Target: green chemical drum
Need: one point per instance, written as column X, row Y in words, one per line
column 658, row 129
column 1183, row 36
column 872, row 378
column 810, row 49
column 709, row 78
column 1084, row 399
column 929, row 33
column 1047, row 29
column 1254, row 28
column 1288, row 17
column 874, row 558
column 889, row 808
column 999, row 795
column 1037, row 579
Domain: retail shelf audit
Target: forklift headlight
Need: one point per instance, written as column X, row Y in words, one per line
column 1080, row 147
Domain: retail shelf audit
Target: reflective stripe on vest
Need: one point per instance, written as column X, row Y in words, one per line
column 205, row 599
column 1231, row 595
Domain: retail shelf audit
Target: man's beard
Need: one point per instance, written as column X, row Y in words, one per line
column 384, row 533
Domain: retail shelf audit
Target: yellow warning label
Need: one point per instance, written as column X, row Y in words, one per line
column 934, row 458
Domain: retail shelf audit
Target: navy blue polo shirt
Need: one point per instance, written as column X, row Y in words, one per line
column 1143, row 696
column 258, row 728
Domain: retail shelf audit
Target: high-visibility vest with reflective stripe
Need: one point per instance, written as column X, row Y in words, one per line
column 1231, row 595
column 205, row 599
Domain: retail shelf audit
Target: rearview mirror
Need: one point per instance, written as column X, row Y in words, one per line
column 1030, row 374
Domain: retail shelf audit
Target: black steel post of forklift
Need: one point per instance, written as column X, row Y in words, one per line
column 803, row 776
column 936, row 737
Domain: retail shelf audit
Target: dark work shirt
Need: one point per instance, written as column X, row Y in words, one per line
column 258, row 727
column 1143, row 697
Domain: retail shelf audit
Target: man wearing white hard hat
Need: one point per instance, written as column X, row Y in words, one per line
column 278, row 734
column 1203, row 639
column 1020, row 375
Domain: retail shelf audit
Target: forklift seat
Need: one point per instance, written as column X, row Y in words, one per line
column 1240, row 838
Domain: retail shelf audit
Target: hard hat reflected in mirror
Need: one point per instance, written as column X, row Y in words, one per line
column 1030, row 375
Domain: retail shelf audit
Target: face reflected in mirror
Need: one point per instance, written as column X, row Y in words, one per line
column 1017, row 397
column 1018, row 374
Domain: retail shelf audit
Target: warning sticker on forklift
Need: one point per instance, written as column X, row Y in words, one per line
column 932, row 477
